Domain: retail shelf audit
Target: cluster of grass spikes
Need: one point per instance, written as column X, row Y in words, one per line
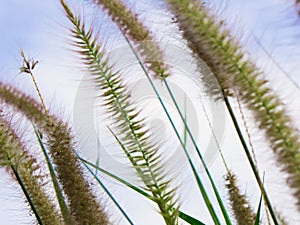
column 236, row 78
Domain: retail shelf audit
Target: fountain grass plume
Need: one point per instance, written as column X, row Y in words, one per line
column 25, row 170
column 83, row 204
column 241, row 208
column 130, row 132
column 212, row 42
column 135, row 31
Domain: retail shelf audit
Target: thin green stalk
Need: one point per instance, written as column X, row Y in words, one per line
column 184, row 129
column 257, row 219
column 197, row 177
column 250, row 159
column 27, row 195
column 59, row 193
column 211, row 41
column 107, row 191
column 221, row 204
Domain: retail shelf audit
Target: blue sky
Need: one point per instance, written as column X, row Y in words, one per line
column 38, row 27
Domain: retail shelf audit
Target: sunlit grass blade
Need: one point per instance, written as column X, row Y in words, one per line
column 58, row 191
column 189, row 219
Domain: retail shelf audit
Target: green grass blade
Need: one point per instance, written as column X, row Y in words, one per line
column 221, row 204
column 107, row 191
column 258, row 212
column 198, row 179
column 59, row 194
column 98, row 152
column 182, row 215
column 189, row 219
column 251, row 161
column 185, row 119
column 27, row 195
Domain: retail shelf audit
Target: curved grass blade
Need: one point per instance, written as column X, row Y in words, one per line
column 189, row 219
column 107, row 191
column 196, row 175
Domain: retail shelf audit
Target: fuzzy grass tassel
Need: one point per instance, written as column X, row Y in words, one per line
column 82, row 202
column 133, row 29
column 134, row 139
column 242, row 211
column 24, row 169
column 209, row 40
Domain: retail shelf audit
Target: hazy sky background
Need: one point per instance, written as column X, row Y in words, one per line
column 38, row 27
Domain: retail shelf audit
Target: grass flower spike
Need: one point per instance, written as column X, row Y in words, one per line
column 130, row 134
column 234, row 71
column 82, row 202
column 24, row 169
column 60, row 186
column 134, row 30
column 239, row 203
